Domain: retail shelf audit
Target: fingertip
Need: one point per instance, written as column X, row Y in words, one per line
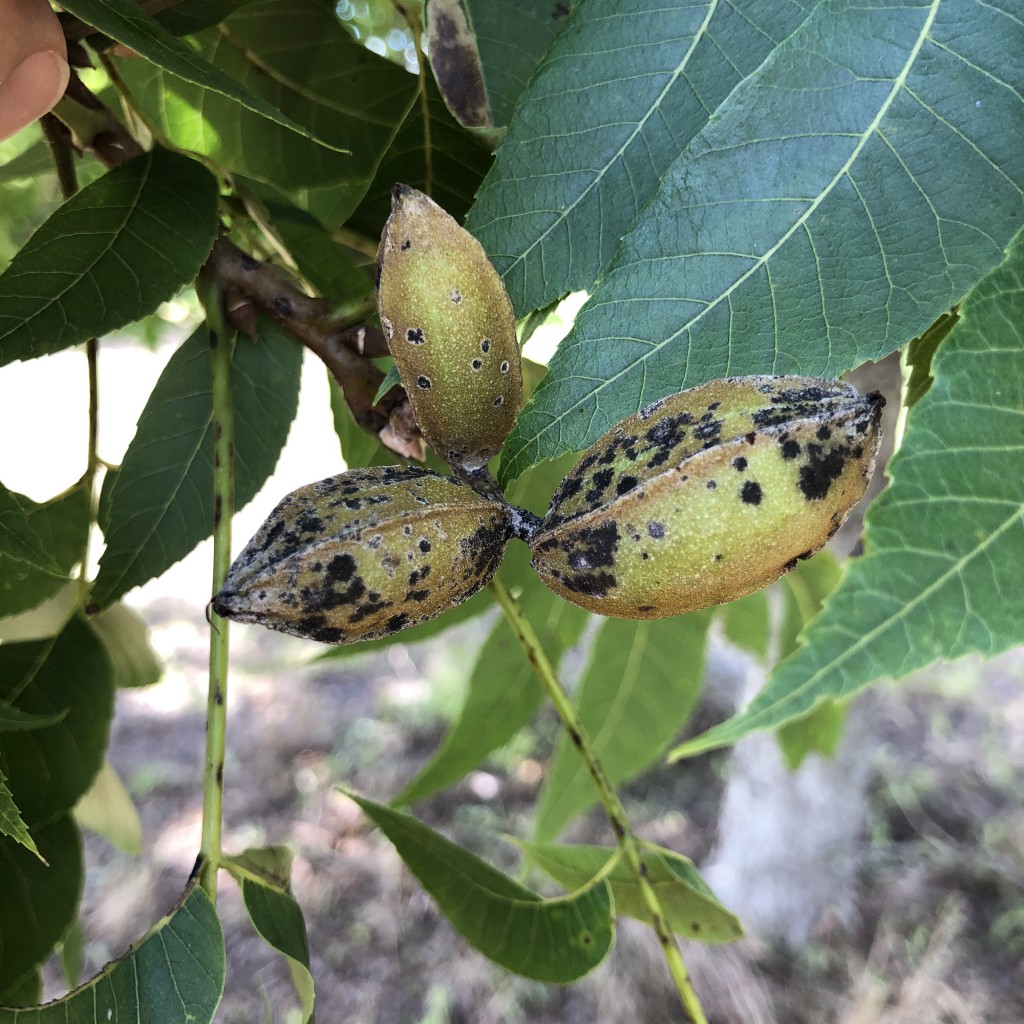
column 31, row 90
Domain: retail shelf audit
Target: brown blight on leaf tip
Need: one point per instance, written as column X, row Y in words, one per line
column 365, row 554
column 708, row 495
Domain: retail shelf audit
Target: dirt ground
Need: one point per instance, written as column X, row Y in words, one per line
column 940, row 928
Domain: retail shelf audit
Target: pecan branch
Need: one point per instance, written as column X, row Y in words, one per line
column 345, row 347
column 345, row 350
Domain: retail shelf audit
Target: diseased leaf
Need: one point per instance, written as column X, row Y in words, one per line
column 58, row 527
column 827, row 214
column 638, row 689
column 503, row 692
column 556, row 940
column 264, row 874
column 20, row 543
column 507, row 69
column 455, row 61
column 109, row 255
column 174, row 975
column 130, row 25
column 940, row 575
column 69, row 675
column 161, row 504
column 40, row 897
column 107, row 809
column 690, row 907
column 617, row 97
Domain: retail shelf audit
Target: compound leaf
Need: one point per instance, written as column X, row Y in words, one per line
column 828, row 213
column 638, row 689
column 556, row 940
column 161, row 502
column 940, row 574
column 174, row 975
column 109, row 255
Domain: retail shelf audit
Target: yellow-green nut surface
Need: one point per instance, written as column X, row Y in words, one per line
column 365, row 554
column 708, row 495
column 451, row 330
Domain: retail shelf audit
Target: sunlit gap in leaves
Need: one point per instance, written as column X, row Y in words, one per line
column 380, row 28
column 543, row 338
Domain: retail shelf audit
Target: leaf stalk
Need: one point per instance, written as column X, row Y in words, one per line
column 629, row 845
column 221, row 344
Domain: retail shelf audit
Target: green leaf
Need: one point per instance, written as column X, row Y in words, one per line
column 941, row 574
column 296, row 55
column 747, row 624
column 691, row 908
column 109, row 255
column 192, row 16
column 41, row 896
column 11, row 822
column 437, row 157
column 804, row 591
column 556, row 940
column 31, row 163
column 57, row 529
column 19, row 542
column 391, row 379
column 107, row 809
column 70, row 675
column 175, row 975
column 920, row 353
column 323, row 262
column 843, row 196
column 71, row 951
column 161, row 504
column 129, row 24
column 503, row 692
column 638, row 689
column 125, row 637
column 819, row 732
column 264, row 873
column 618, row 96
column 27, row 991
column 14, row 720
column 507, row 69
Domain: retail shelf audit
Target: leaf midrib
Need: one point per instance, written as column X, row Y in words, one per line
column 615, row 158
column 763, row 260
column 131, row 210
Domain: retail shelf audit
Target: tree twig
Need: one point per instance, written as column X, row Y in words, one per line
column 341, row 341
column 616, row 813
column 216, row 701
